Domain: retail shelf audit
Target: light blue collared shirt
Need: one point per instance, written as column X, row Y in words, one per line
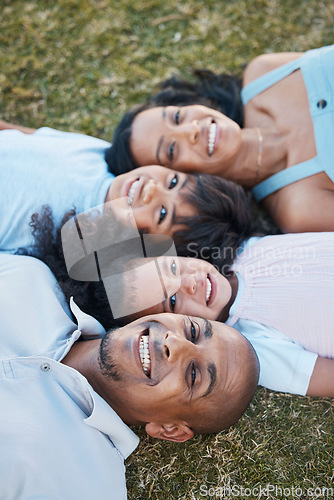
column 58, row 437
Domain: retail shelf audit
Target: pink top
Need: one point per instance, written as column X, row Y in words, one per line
column 287, row 282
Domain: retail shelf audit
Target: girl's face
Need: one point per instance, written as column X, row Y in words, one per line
column 187, row 138
column 181, row 285
column 155, row 195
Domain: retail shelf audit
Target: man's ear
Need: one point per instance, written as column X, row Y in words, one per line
column 177, row 432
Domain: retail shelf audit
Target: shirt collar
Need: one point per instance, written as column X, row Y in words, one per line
column 103, row 417
column 106, row 420
column 89, row 327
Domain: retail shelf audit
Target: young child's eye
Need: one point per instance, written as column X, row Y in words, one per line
column 172, row 302
column 163, row 213
column 171, row 151
column 174, row 182
column 177, row 117
column 173, row 267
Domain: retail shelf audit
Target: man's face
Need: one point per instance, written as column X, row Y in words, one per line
column 166, row 367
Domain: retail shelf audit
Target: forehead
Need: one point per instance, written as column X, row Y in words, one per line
column 148, row 124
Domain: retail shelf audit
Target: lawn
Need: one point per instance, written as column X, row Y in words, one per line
column 77, row 66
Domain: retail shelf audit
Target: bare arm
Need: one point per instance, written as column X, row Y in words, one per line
column 6, row 125
column 265, row 63
column 322, row 379
column 297, row 217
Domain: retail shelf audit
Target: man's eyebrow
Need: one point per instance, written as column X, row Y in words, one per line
column 157, row 154
column 208, row 329
column 212, row 370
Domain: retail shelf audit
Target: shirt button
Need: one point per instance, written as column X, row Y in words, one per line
column 45, row 367
column 322, row 103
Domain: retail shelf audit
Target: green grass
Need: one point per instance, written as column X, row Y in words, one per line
column 77, row 66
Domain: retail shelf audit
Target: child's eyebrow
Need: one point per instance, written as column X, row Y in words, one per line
column 173, row 218
column 157, row 154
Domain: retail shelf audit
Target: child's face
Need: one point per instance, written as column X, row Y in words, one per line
column 154, row 194
column 181, row 285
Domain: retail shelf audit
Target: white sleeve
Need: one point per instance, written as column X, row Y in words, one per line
column 284, row 365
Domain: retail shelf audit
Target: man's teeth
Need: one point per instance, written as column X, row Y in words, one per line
column 208, row 289
column 145, row 354
column 212, row 137
column 132, row 192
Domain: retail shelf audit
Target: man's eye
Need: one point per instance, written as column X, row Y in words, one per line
column 163, row 213
column 174, row 182
column 177, row 117
column 171, row 151
column 172, row 302
column 193, row 375
column 192, row 332
column 173, row 267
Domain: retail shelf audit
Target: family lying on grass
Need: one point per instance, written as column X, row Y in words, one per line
column 258, row 310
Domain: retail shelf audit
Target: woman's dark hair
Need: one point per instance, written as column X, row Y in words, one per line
column 221, row 92
column 223, row 222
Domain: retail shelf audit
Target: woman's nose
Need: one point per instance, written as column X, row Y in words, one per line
column 149, row 191
column 192, row 130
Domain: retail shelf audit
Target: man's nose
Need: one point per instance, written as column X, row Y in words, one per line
column 149, row 191
column 176, row 346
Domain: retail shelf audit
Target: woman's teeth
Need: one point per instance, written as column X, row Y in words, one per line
column 212, row 137
column 132, row 192
column 208, row 290
column 145, row 354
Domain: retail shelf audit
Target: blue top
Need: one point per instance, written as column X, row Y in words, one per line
column 58, row 437
column 317, row 67
column 60, row 169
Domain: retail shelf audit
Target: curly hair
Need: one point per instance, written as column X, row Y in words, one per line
column 90, row 296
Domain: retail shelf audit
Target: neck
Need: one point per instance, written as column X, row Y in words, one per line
column 244, row 169
column 233, row 280
column 261, row 155
column 83, row 357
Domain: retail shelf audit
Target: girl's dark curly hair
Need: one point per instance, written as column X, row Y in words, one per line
column 89, row 296
column 221, row 92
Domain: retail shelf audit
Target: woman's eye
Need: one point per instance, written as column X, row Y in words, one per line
column 173, row 267
column 163, row 213
column 193, row 375
column 174, row 182
column 171, row 151
column 172, row 302
column 177, row 117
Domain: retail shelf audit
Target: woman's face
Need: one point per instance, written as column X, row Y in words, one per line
column 181, row 285
column 154, row 194
column 188, row 138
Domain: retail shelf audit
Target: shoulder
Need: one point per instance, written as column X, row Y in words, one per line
column 291, row 208
column 264, row 63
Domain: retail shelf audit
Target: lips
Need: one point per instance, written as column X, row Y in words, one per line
column 144, row 354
